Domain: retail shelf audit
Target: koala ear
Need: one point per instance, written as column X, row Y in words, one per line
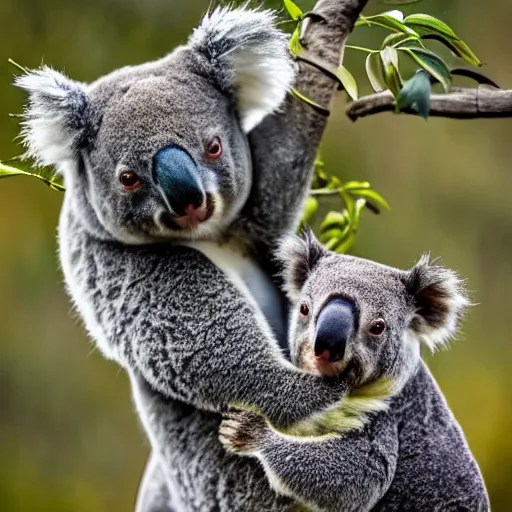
column 299, row 255
column 55, row 116
column 248, row 57
column 440, row 301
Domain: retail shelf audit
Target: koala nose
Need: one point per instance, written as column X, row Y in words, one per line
column 335, row 325
column 176, row 173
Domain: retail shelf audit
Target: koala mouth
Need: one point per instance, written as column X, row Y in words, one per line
column 308, row 361
column 192, row 218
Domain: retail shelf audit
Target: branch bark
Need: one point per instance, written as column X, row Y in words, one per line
column 461, row 103
column 323, row 38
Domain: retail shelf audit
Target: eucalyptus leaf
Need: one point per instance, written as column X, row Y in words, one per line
column 385, row 21
column 374, row 72
column 431, row 63
column 305, row 99
column 18, row 66
column 332, row 243
column 348, row 81
column 475, row 75
column 346, row 244
column 389, row 58
column 372, row 194
column 396, row 14
column 7, row 171
column 310, row 209
column 416, row 94
column 359, row 207
column 334, row 219
column 356, row 185
column 333, row 233
column 293, row 9
column 432, row 26
column 295, row 46
column 457, row 47
column 394, row 38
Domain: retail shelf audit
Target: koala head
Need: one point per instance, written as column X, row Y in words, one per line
column 352, row 312
column 159, row 150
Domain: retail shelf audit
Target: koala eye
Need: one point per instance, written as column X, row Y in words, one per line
column 129, row 180
column 304, row 310
column 213, row 149
column 377, row 327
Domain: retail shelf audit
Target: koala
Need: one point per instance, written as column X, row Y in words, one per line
column 181, row 174
column 393, row 444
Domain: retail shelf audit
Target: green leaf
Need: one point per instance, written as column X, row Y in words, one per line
column 430, row 24
column 389, row 58
column 348, row 81
column 335, row 219
column 474, row 75
column 441, row 31
column 332, row 243
column 431, row 63
column 346, row 244
column 305, row 99
column 359, row 207
column 295, row 46
column 334, row 233
column 385, row 20
column 293, row 9
column 7, row 171
column 356, row 185
column 393, row 39
column 409, row 42
column 372, row 194
column 310, row 209
column 19, row 66
column 374, row 72
column 416, row 93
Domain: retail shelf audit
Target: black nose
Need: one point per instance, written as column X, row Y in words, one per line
column 176, row 173
column 335, row 324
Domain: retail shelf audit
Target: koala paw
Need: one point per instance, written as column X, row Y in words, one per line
column 243, row 432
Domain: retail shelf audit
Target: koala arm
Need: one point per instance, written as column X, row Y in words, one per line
column 285, row 144
column 197, row 339
column 350, row 471
column 168, row 313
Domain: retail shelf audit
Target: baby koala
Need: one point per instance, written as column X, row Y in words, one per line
column 392, row 443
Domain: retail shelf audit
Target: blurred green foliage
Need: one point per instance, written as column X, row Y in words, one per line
column 69, row 437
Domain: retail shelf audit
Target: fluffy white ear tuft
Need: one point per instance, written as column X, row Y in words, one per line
column 249, row 57
column 298, row 256
column 440, row 301
column 55, row 116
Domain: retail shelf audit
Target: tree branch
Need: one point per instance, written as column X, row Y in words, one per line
column 323, row 38
column 461, row 103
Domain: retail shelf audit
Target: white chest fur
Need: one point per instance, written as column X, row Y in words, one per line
column 245, row 273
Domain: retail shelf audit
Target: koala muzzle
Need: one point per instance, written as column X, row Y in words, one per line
column 175, row 172
column 335, row 325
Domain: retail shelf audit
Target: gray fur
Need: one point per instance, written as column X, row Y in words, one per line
column 410, row 456
column 191, row 336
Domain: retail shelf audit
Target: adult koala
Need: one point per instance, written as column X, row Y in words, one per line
column 159, row 153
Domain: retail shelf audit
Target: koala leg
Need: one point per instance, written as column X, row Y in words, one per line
column 337, row 472
column 154, row 493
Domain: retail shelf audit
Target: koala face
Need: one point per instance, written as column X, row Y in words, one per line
column 164, row 162
column 159, row 150
column 354, row 312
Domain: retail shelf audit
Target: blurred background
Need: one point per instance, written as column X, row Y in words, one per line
column 69, row 437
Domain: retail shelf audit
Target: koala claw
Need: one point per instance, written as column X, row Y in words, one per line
column 243, row 432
